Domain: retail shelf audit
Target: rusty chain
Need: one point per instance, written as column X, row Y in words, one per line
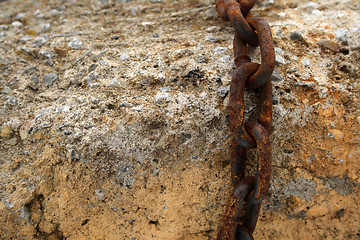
column 252, row 31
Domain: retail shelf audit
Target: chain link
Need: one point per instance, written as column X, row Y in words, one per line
column 249, row 31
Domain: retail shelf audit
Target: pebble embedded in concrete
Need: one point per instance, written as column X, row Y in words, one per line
column 50, row 78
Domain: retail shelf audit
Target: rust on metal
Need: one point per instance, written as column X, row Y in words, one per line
column 233, row 10
column 262, row 139
column 246, row 6
column 267, row 53
column 220, row 9
column 251, row 31
column 265, row 105
column 241, row 55
column 237, row 106
column 238, row 163
column 233, row 207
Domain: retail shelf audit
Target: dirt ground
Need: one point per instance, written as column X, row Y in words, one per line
column 113, row 119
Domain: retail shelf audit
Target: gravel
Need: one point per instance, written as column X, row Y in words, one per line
column 210, row 38
column 305, row 62
column 124, row 56
column 40, row 41
column 276, row 77
column 16, row 24
column 6, row 90
column 114, row 83
column 329, row 45
column 50, row 78
column 76, row 44
column 223, row 91
column 341, row 35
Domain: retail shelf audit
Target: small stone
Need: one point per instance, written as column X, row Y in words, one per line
column 45, row 27
column 296, row 36
column 303, row 83
column 47, row 54
column 202, row 59
column 281, row 14
column 63, row 109
column 212, row 29
column 16, row 24
column 35, row 79
column 279, row 51
column 225, row 58
column 124, row 104
column 37, row 12
column 210, row 14
column 6, row 132
column 12, row 141
column 25, row 39
column 20, row 15
column 50, row 78
column 92, row 77
column 124, row 56
column 317, row 211
column 39, row 41
column 147, row 23
column 223, row 91
column 6, row 90
column 292, row 70
column 164, row 89
column 340, row 213
column 133, row 11
column 61, row 8
column 4, row 27
column 329, row 45
column 12, row 100
column 156, row 35
column 103, row 63
column 114, row 83
column 137, row 109
column 97, row 56
column 162, row 98
column 54, row 12
column 316, row 12
column 220, row 50
column 276, row 77
column 309, row 5
column 92, row 67
column 181, row 53
column 341, row 35
column 305, row 62
column 279, row 32
column 279, row 59
column 49, row 62
column 337, row 134
column 210, row 38
column 3, row 34
column 62, row 52
column 75, row 44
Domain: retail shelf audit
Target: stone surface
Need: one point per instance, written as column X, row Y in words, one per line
column 131, row 141
column 50, row 78
column 6, row 131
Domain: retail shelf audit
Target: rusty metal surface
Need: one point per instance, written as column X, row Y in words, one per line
column 250, row 31
column 267, row 53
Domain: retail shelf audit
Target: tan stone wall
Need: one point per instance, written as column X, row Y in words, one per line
column 114, row 123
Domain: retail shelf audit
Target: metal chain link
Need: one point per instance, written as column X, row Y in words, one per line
column 253, row 31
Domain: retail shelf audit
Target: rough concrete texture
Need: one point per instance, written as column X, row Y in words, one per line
column 113, row 119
